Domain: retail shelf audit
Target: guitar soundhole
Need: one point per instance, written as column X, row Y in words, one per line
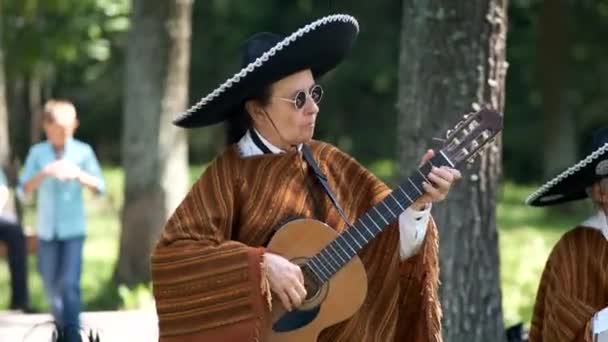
column 315, row 294
column 311, row 284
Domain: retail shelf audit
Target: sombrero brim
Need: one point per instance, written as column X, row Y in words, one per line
column 318, row 46
column 570, row 185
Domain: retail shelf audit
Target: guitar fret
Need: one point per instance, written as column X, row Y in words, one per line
column 349, row 250
column 352, row 250
column 367, row 229
column 354, row 239
column 396, row 201
column 414, row 185
column 380, row 214
column 374, row 222
column 406, row 195
column 330, row 248
column 337, row 243
column 389, row 208
column 323, row 266
column 446, row 158
column 329, row 261
column 423, row 176
column 361, row 235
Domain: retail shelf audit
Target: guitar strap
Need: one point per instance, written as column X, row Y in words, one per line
column 322, row 179
column 316, row 170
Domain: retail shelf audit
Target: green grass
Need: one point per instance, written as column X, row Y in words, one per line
column 526, row 237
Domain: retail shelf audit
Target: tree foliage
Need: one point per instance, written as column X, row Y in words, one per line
column 78, row 46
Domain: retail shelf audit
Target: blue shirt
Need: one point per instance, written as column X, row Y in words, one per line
column 60, row 213
column 2, row 178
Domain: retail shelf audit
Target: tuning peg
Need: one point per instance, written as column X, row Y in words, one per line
column 458, row 125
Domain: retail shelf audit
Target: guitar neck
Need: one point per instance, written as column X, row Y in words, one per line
column 340, row 251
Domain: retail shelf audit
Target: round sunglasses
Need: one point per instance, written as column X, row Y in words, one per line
column 299, row 100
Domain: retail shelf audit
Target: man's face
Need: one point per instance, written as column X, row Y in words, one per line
column 296, row 126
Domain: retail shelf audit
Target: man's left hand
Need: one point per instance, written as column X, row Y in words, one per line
column 441, row 179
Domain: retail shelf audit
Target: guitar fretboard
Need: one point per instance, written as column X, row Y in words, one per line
column 340, row 251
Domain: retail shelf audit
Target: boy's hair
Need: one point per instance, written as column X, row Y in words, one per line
column 58, row 111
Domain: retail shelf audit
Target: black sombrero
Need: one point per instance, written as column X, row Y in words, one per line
column 571, row 184
column 268, row 57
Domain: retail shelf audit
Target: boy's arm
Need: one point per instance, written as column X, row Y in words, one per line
column 33, row 183
column 31, row 177
column 90, row 181
column 90, row 174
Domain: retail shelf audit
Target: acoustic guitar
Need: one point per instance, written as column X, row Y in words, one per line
column 335, row 279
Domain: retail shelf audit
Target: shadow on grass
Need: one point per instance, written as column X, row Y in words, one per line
column 108, row 298
column 114, row 296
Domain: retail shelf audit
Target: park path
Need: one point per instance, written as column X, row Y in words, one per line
column 113, row 326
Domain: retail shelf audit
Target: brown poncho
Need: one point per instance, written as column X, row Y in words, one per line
column 206, row 269
column 573, row 287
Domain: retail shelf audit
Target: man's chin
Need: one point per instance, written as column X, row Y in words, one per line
column 305, row 139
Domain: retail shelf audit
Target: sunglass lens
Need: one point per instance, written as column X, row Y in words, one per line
column 316, row 93
column 300, row 100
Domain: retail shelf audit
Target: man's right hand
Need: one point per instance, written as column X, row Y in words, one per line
column 286, row 280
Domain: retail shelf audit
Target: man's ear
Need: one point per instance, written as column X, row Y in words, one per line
column 254, row 109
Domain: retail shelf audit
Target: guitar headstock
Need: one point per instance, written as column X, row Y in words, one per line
column 471, row 134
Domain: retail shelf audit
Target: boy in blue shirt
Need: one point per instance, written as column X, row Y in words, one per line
column 57, row 170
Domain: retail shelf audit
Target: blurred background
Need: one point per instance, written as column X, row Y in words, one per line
column 554, row 96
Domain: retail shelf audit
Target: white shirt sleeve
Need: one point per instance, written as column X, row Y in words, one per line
column 599, row 323
column 412, row 230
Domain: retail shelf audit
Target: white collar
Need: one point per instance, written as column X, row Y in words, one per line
column 599, row 222
column 248, row 148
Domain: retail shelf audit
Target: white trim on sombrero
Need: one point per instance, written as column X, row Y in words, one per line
column 569, row 172
column 263, row 58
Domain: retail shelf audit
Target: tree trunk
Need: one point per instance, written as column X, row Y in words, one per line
column 452, row 59
column 559, row 150
column 35, row 105
column 154, row 151
column 7, row 165
column 5, row 150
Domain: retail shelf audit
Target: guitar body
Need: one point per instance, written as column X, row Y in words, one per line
column 333, row 302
